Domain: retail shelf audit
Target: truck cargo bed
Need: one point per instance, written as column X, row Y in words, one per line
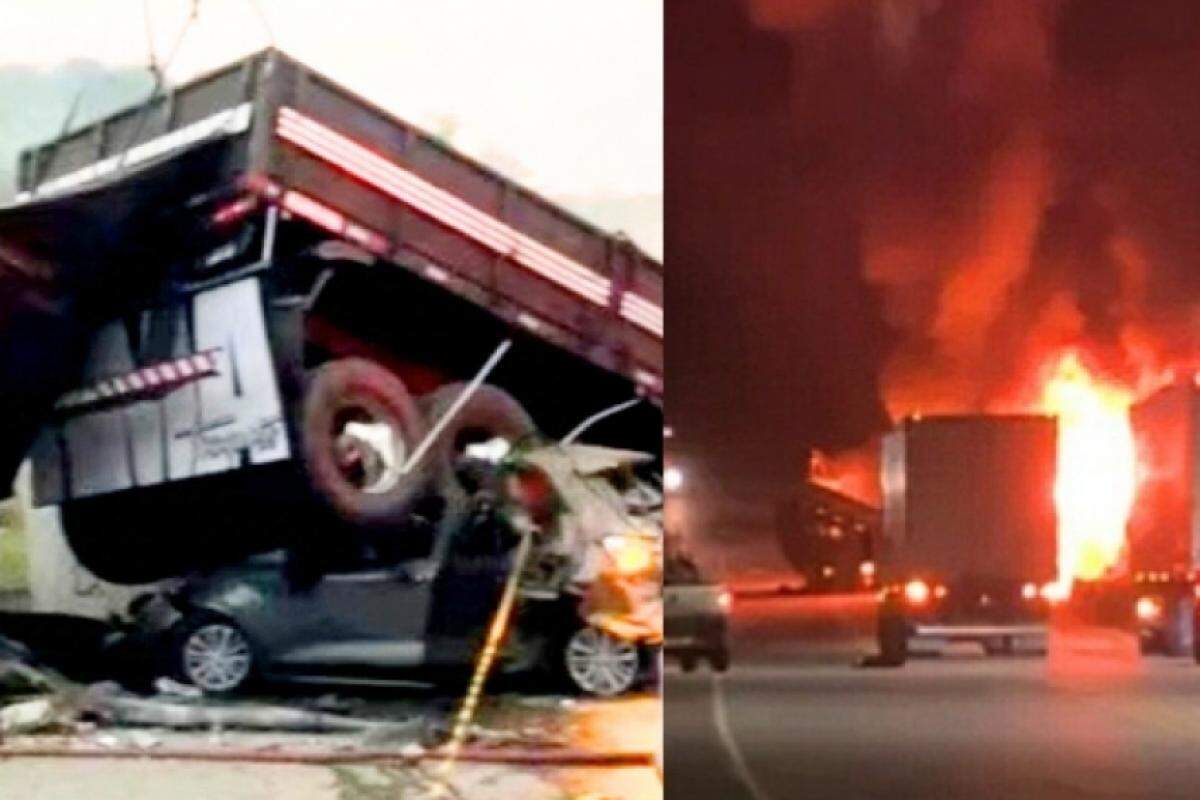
column 369, row 176
column 88, row 222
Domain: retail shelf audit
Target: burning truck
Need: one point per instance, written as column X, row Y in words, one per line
column 969, row 533
column 1164, row 523
column 241, row 317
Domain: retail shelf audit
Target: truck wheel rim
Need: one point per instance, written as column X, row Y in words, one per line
column 370, row 452
column 600, row 664
column 216, row 657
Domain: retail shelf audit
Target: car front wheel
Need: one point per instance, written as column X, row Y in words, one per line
column 599, row 664
column 214, row 655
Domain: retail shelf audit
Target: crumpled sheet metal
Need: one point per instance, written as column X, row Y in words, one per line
column 595, row 509
column 628, row 609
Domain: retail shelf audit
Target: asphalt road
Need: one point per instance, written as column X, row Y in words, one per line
column 794, row 718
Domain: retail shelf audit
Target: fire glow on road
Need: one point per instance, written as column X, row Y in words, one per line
column 1095, row 483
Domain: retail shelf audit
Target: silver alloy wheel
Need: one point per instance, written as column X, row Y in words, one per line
column 600, row 664
column 217, row 657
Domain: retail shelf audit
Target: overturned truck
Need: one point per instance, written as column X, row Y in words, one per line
column 230, row 317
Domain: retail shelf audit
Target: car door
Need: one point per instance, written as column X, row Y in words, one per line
column 360, row 622
column 467, row 591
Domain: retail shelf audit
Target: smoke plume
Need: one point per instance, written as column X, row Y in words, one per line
column 1022, row 177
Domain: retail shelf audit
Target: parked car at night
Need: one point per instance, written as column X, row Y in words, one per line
column 696, row 615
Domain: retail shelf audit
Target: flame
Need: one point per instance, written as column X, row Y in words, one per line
column 1095, row 481
column 854, row 473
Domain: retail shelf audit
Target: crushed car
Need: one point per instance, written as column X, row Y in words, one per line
column 222, row 338
column 590, row 613
column 696, row 614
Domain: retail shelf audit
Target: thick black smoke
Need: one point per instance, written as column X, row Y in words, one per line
column 880, row 206
column 1022, row 178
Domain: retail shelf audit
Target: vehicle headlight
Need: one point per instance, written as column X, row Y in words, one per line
column 629, row 554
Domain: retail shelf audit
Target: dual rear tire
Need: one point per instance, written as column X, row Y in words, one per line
column 892, row 632
column 718, row 661
column 356, row 426
column 360, row 429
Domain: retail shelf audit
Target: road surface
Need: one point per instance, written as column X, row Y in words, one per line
column 794, row 718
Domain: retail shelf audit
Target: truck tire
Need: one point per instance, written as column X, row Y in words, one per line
column 1176, row 625
column 892, row 634
column 358, row 425
column 491, row 413
column 1196, row 634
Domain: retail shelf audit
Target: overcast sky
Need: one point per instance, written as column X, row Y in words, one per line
column 566, row 97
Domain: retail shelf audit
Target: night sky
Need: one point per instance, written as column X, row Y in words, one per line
column 884, row 206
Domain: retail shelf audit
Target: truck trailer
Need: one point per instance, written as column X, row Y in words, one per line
column 969, row 532
column 229, row 316
column 830, row 539
column 1164, row 523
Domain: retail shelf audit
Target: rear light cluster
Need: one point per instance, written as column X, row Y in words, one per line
column 725, row 600
column 918, row 592
column 1148, row 609
column 1163, row 577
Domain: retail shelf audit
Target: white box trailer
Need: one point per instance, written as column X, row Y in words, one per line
column 969, row 531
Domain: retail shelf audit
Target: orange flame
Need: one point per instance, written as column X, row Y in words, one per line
column 854, row 473
column 1095, row 482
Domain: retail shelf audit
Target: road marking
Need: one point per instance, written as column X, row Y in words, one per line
column 721, row 717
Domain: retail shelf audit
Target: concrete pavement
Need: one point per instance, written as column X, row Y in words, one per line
column 622, row 725
column 794, row 718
